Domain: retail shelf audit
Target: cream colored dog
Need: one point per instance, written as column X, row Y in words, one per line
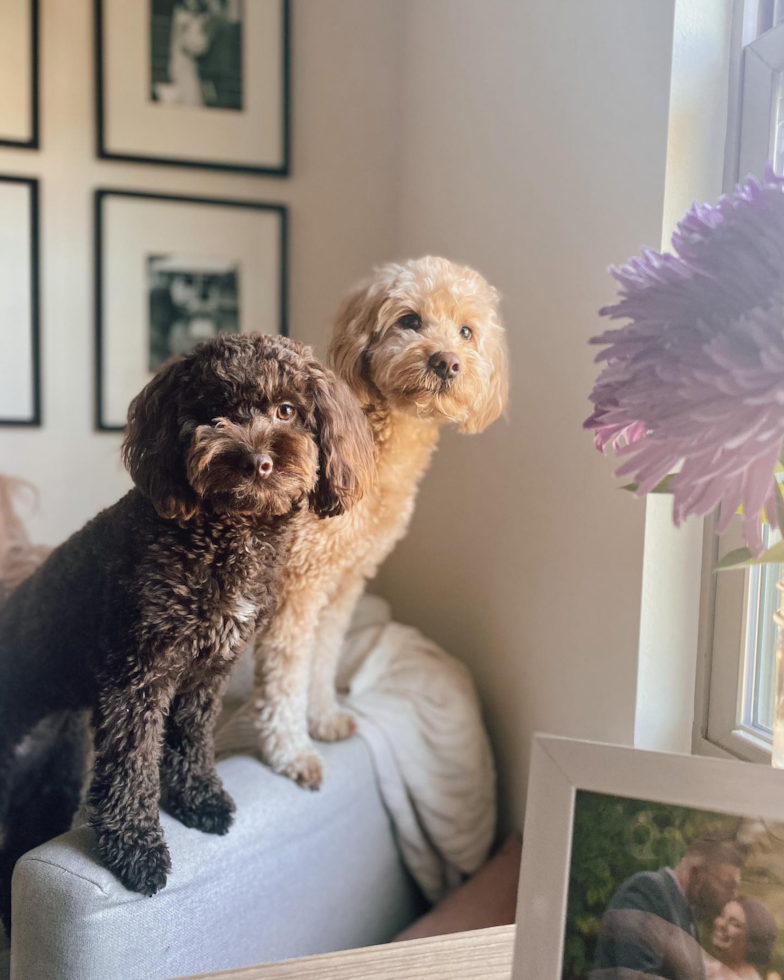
column 420, row 345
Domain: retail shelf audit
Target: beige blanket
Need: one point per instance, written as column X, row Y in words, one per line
column 420, row 717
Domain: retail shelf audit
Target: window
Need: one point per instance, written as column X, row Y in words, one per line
column 739, row 691
column 759, row 653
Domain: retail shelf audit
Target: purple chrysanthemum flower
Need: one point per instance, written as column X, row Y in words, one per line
column 697, row 375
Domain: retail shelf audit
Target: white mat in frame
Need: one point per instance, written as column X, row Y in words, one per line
column 20, row 369
column 19, row 74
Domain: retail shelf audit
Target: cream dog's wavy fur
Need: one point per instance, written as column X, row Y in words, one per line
column 388, row 366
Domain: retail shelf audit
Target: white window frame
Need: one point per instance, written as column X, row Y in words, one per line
column 763, row 62
column 723, row 676
column 726, row 687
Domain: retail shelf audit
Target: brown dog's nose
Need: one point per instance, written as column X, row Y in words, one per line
column 445, row 364
column 263, row 464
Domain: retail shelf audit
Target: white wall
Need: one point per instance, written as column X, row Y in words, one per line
column 534, row 148
column 346, row 70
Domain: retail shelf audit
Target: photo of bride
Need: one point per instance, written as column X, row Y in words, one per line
column 742, row 941
column 196, row 53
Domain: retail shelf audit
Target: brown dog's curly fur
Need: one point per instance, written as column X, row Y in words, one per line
column 141, row 614
column 421, row 345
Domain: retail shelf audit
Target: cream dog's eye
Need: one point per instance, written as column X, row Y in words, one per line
column 410, row 321
column 466, row 333
column 285, row 412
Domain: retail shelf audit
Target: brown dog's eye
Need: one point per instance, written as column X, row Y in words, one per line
column 466, row 333
column 410, row 321
column 285, row 412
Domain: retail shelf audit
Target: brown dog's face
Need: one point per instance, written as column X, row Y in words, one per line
column 258, row 456
column 247, row 425
column 427, row 336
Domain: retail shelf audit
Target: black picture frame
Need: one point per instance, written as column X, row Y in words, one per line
column 34, row 143
column 284, row 170
column 100, row 195
column 35, row 420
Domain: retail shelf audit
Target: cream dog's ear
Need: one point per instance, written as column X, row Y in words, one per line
column 357, row 321
column 495, row 395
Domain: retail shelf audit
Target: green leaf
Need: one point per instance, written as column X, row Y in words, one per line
column 663, row 487
column 743, row 558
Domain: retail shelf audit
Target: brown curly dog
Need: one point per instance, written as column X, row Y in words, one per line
column 141, row 614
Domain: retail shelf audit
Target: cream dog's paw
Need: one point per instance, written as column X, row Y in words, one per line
column 288, row 751
column 332, row 726
column 307, row 769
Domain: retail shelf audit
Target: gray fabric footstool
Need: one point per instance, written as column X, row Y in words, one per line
column 299, row 873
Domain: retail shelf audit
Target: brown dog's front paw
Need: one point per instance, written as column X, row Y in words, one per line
column 140, row 862
column 333, row 726
column 209, row 809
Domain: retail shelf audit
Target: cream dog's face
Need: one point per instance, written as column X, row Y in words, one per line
column 427, row 336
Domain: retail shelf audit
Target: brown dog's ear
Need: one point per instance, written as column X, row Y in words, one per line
column 346, row 453
column 495, row 395
column 155, row 443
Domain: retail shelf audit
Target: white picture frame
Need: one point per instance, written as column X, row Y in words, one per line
column 560, row 767
column 141, row 239
column 162, row 107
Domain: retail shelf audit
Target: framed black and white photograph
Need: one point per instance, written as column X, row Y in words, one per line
column 639, row 863
column 19, row 81
column 191, row 299
column 200, row 83
column 20, row 367
column 196, row 54
column 172, row 271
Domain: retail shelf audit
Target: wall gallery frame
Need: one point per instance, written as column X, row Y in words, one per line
column 180, row 81
column 605, row 828
column 20, row 363
column 19, row 74
column 171, row 271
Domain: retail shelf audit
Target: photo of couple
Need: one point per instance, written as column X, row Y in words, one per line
column 196, row 53
column 668, row 892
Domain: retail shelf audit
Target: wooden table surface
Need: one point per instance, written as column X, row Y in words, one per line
column 482, row 955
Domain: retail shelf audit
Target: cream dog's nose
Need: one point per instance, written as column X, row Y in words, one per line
column 445, row 364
